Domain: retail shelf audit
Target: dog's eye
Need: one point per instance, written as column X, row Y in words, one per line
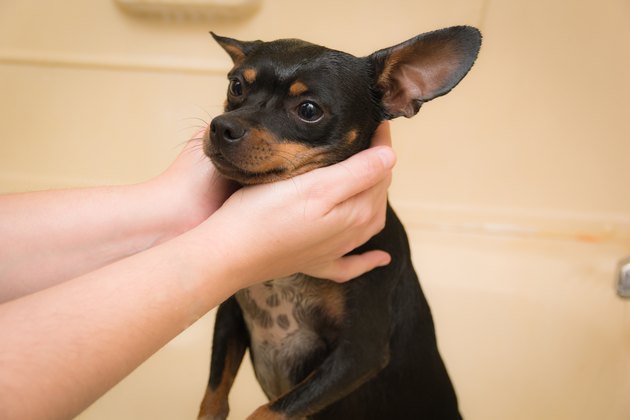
column 309, row 111
column 236, row 87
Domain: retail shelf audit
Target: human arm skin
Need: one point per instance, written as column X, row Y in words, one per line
column 66, row 345
column 52, row 236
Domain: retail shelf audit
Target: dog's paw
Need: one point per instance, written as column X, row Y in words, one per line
column 213, row 408
column 211, row 417
column 220, row 415
column 266, row 413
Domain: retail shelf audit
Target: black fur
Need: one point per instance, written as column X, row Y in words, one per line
column 365, row 349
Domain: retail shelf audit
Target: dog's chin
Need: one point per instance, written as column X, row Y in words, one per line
column 272, row 168
column 247, row 177
column 243, row 176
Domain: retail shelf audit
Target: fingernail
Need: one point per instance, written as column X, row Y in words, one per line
column 385, row 261
column 387, row 156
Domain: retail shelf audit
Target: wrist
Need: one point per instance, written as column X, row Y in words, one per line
column 173, row 209
column 234, row 253
column 211, row 264
column 187, row 194
column 165, row 217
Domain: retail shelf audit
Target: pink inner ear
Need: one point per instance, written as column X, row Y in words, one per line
column 431, row 71
column 405, row 85
column 413, row 80
column 424, row 68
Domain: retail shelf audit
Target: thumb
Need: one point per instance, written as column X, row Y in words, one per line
column 352, row 176
column 351, row 266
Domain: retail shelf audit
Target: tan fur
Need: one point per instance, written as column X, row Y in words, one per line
column 297, row 88
column 277, row 314
column 215, row 403
column 249, row 75
column 388, row 66
column 265, row 413
column 351, row 136
column 262, row 152
column 236, row 53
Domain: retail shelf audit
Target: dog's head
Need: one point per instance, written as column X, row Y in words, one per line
column 293, row 106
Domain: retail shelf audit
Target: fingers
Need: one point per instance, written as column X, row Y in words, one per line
column 366, row 211
column 361, row 172
column 382, row 135
column 358, row 173
column 326, row 213
column 351, row 266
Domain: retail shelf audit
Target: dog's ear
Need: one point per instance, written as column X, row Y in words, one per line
column 238, row 50
column 423, row 68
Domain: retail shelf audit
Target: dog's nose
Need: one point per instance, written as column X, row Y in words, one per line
column 227, row 129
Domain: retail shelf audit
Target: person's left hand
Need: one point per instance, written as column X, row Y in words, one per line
column 192, row 187
column 306, row 224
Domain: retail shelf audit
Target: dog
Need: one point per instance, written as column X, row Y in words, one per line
column 365, row 349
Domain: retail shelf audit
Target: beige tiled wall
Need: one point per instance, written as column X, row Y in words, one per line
column 536, row 132
column 515, row 185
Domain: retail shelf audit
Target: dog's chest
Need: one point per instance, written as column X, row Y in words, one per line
column 289, row 320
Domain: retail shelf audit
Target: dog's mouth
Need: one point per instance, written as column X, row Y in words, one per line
column 258, row 159
column 243, row 176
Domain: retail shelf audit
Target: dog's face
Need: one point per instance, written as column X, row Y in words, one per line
column 293, row 106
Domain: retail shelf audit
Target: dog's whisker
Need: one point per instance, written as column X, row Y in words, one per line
column 205, row 111
column 195, row 118
column 198, row 126
column 289, row 157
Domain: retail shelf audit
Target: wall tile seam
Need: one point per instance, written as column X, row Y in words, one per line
column 114, row 63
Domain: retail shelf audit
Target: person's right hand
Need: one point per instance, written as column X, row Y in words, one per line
column 310, row 222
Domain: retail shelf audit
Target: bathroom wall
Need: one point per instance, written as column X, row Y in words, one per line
column 514, row 186
column 535, row 133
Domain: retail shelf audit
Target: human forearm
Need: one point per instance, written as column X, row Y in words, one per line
column 70, row 343
column 47, row 237
column 64, row 346
column 102, row 325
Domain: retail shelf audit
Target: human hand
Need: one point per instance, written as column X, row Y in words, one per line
column 310, row 222
column 191, row 187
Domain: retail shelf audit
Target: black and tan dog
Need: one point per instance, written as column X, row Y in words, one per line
column 365, row 349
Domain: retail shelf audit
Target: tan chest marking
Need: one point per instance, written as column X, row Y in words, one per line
column 283, row 317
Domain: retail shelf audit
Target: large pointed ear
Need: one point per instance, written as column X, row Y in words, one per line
column 423, row 68
column 238, row 50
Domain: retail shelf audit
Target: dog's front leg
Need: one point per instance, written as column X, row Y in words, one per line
column 228, row 347
column 349, row 366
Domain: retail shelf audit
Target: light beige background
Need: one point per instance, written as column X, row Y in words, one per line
column 514, row 186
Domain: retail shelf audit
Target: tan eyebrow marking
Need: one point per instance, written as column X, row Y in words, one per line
column 249, row 75
column 352, row 135
column 297, row 88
